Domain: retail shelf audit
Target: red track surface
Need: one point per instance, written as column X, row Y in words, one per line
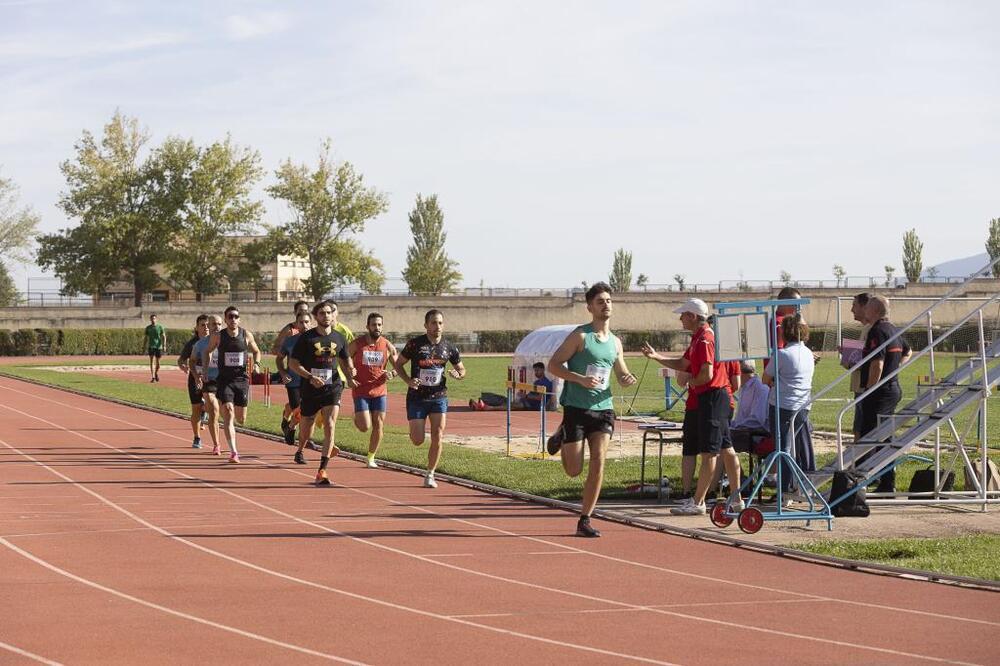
column 462, row 421
column 120, row 544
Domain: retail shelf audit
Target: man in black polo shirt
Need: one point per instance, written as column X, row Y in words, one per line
column 883, row 400
column 314, row 358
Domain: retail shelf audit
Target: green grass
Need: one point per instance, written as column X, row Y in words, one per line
column 973, row 555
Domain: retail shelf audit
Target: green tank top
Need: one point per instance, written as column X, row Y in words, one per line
column 597, row 360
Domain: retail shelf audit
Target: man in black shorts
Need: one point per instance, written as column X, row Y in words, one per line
column 292, row 382
column 155, row 337
column 706, row 419
column 233, row 385
column 585, row 361
column 194, row 393
column 427, row 397
column 315, row 358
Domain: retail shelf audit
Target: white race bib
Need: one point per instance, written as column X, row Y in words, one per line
column 373, row 358
column 602, row 373
column 235, row 359
column 431, row 376
column 326, row 374
column 213, row 359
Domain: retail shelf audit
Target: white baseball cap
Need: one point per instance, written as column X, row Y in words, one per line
column 695, row 306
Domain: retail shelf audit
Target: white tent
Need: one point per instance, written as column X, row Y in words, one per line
column 538, row 347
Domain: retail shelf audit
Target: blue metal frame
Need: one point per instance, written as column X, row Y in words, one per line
column 819, row 508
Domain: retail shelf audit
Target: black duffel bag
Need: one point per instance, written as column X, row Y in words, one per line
column 856, row 505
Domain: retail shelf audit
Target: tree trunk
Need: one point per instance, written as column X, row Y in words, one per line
column 136, row 294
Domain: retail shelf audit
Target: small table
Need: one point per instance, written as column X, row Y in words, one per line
column 663, row 432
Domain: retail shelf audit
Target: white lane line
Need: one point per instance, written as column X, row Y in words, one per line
column 513, row 581
column 145, row 529
column 170, row 611
column 302, row 581
column 30, row 655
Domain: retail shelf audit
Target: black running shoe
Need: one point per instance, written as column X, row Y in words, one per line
column 585, row 529
column 299, row 458
column 555, row 441
column 289, row 436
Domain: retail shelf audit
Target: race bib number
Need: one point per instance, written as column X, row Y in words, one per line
column 602, row 373
column 326, row 374
column 235, row 359
column 431, row 376
column 373, row 358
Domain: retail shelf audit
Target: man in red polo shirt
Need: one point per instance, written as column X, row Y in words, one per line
column 707, row 419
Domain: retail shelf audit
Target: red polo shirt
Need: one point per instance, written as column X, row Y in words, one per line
column 700, row 351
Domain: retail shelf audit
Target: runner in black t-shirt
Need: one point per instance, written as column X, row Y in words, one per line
column 194, row 393
column 884, row 399
column 314, row 358
column 427, row 397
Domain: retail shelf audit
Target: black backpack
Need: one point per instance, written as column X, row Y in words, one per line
column 854, row 506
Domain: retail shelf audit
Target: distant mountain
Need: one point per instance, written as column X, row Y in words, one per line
column 960, row 267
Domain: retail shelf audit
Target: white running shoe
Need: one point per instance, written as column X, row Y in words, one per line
column 738, row 505
column 429, row 481
column 691, row 509
column 372, row 464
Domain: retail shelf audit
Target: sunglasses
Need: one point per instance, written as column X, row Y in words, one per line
column 232, row 315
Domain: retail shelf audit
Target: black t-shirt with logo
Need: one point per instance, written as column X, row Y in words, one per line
column 186, row 354
column 891, row 355
column 428, row 363
column 318, row 354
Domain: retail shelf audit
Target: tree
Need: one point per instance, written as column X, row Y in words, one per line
column 839, row 273
column 620, row 279
column 785, row 277
column 932, row 272
column 17, row 224
column 329, row 205
column 8, row 292
column 245, row 263
column 889, row 270
column 679, row 279
column 218, row 181
column 128, row 209
column 428, row 268
column 993, row 245
column 913, row 249
column 642, row 281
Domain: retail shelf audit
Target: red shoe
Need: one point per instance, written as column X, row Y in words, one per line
column 322, row 479
column 481, row 406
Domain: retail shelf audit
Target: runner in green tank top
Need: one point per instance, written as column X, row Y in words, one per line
column 585, row 361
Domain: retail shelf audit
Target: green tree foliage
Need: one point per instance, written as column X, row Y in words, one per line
column 330, row 205
column 889, row 270
column 680, row 280
column 128, row 207
column 17, row 223
column 217, row 186
column 244, row 269
column 993, row 245
column 642, row 281
column 429, row 270
column 913, row 249
column 620, row 279
column 8, row 292
column 839, row 273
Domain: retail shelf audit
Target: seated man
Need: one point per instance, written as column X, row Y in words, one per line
column 751, row 411
column 530, row 401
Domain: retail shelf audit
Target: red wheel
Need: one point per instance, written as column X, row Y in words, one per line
column 750, row 520
column 718, row 515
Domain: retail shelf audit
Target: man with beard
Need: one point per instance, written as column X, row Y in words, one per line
column 371, row 354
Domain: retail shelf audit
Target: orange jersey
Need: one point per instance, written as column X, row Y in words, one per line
column 370, row 361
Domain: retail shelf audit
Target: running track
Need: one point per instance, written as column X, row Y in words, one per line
column 120, row 544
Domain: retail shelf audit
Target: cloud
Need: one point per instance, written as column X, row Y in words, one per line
column 240, row 27
column 55, row 44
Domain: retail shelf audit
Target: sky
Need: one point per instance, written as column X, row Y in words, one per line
column 716, row 140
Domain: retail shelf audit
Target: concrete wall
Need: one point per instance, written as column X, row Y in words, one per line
column 466, row 314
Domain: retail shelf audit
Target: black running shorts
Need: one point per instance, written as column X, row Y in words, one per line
column 154, row 353
column 236, row 391
column 578, row 423
column 311, row 404
column 194, row 393
column 294, row 397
